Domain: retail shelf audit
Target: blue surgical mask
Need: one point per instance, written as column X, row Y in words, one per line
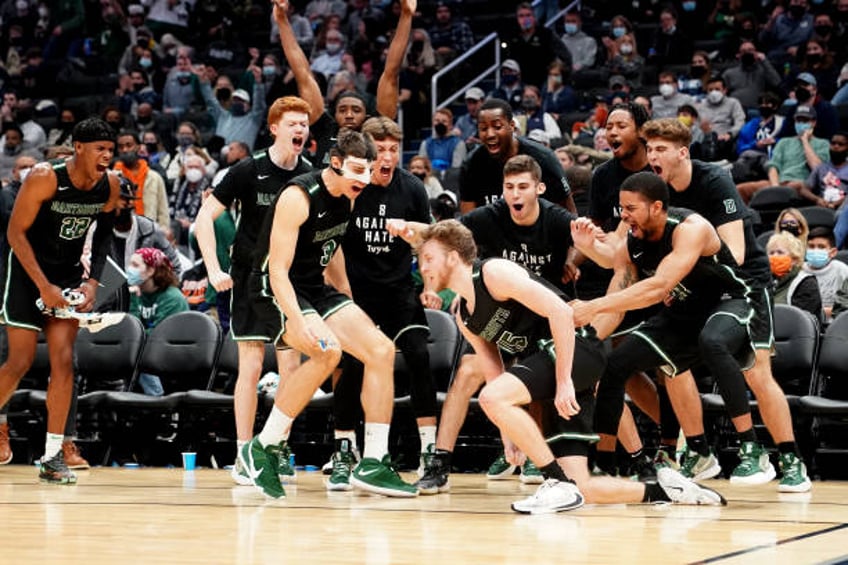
column 570, row 29
column 269, row 70
column 618, row 31
column 817, row 258
column 145, row 62
column 801, row 127
column 134, row 276
column 688, row 6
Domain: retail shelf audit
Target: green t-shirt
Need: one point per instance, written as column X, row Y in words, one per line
column 154, row 307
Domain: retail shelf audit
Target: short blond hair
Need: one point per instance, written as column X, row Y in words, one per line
column 453, row 236
column 789, row 242
column 667, row 129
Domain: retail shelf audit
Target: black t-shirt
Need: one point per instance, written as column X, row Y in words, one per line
column 255, row 182
column 541, row 248
column 318, row 238
column 481, row 175
column 713, row 195
column 377, row 262
column 604, row 208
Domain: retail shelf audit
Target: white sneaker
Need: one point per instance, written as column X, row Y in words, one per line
column 239, row 474
column 551, row 496
column 683, row 491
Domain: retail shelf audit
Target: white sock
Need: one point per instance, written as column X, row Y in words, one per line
column 428, row 437
column 376, row 441
column 239, row 445
column 52, row 445
column 276, row 429
column 4, row 419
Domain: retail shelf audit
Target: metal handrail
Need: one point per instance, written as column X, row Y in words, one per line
column 434, row 81
column 561, row 14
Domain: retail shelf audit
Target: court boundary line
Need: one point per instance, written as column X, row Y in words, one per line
column 778, row 543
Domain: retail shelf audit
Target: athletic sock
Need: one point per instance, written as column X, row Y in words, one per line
column 52, row 445
column 748, row 435
column 428, row 436
column 698, row 444
column 376, row 440
column 445, row 456
column 787, row 447
column 553, row 471
column 605, row 460
column 276, row 429
column 670, row 450
column 655, row 493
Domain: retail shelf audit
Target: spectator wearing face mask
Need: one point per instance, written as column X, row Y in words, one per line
column 583, row 47
column 444, row 149
column 671, row 45
column 792, row 284
column 757, row 139
column 188, row 136
column 151, row 199
column 828, row 182
column 792, row 221
column 821, row 249
column 188, row 197
column 626, row 62
column 786, row 29
column 533, row 118
column 722, row 115
column 751, row 76
column 557, row 97
column 13, row 148
column 665, row 104
column 511, row 87
column 534, row 46
column 420, row 167
column 182, row 86
column 241, row 120
column 806, row 93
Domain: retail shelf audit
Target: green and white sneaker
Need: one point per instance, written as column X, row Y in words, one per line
column 794, row 471
column 239, row 474
column 285, row 468
column 380, row 477
column 697, row 467
column 55, row 472
column 754, row 466
column 663, row 459
column 501, row 469
column 530, row 474
column 261, row 464
column 343, row 462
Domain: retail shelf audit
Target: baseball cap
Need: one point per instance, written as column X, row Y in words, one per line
column 617, row 80
column 512, row 65
column 807, row 78
column 447, row 195
column 805, row 112
column 135, row 10
column 241, row 94
column 474, row 93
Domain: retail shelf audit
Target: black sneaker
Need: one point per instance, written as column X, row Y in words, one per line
column 640, row 468
column 435, row 479
column 54, row 471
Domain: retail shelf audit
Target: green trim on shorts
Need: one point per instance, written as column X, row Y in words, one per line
column 659, row 352
column 568, row 436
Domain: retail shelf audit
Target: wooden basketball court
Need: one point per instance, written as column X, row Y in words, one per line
column 116, row 515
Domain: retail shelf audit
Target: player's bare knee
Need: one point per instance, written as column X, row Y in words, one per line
column 467, row 382
column 19, row 363
column 382, row 353
column 328, row 357
column 491, row 400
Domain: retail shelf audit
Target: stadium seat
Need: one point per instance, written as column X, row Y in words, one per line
column 771, row 200
column 818, row 216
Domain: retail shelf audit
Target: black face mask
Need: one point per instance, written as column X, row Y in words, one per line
column 814, row 58
column 838, row 157
column 421, row 176
column 418, row 45
column 115, row 125
column 802, row 95
column 440, row 129
column 130, row 160
column 144, row 120
column 797, row 11
column 767, row 111
column 697, row 70
column 794, row 229
column 152, row 148
column 748, row 59
column 123, row 219
column 823, row 30
column 66, row 126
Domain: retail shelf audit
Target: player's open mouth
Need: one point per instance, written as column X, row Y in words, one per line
column 657, row 169
column 385, row 171
column 518, row 207
column 297, row 143
column 101, row 168
column 493, row 147
column 614, row 145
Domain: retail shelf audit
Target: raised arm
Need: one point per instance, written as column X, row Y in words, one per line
column 387, row 87
column 307, row 86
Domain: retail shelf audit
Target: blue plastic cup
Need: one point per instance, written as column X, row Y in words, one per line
column 189, row 460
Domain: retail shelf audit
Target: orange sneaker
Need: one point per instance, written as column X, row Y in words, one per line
column 73, row 458
column 5, row 448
